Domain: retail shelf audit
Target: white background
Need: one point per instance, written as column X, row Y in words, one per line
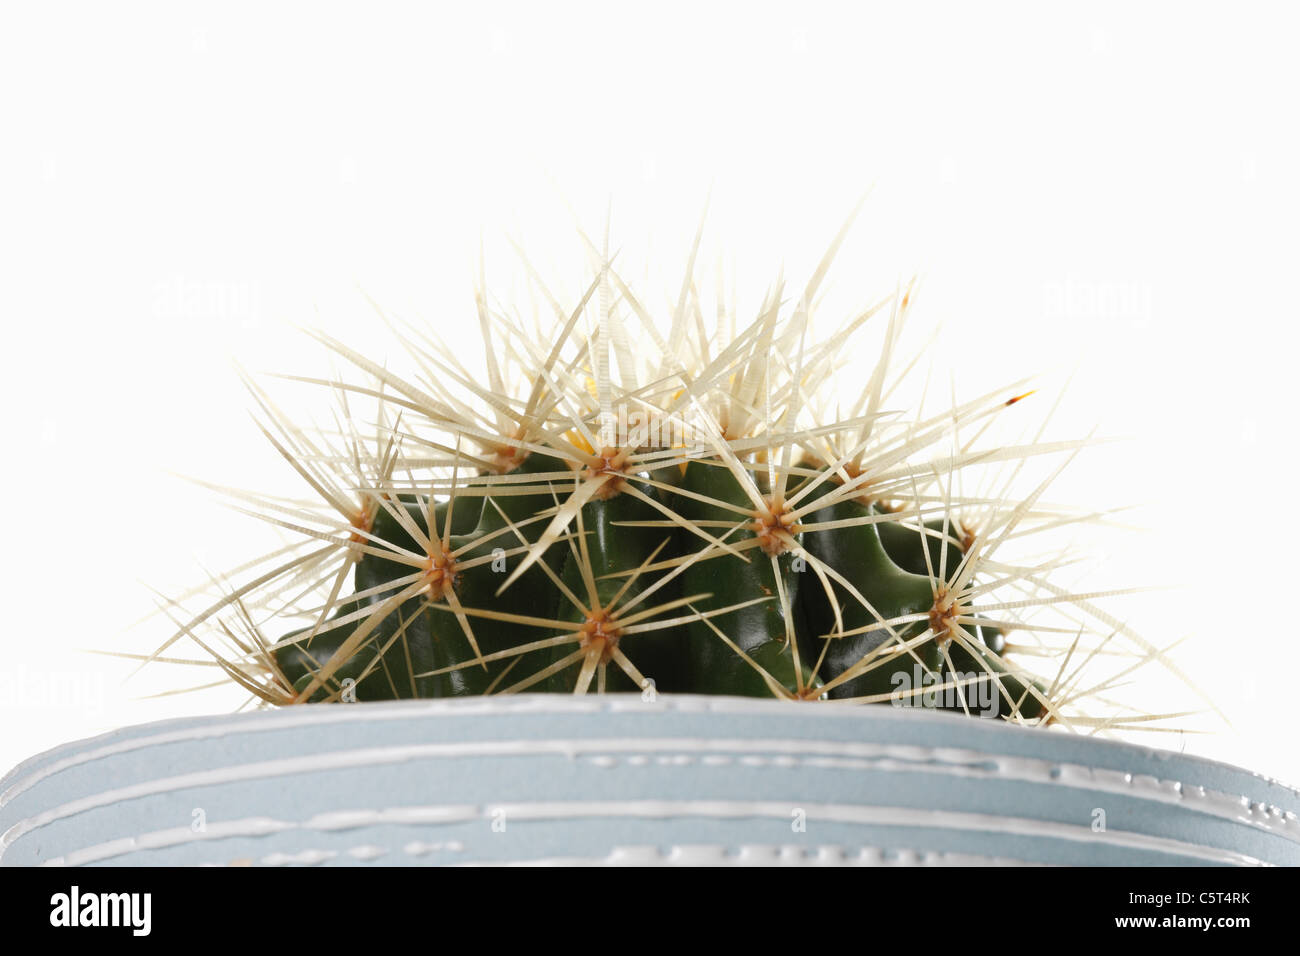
column 1111, row 187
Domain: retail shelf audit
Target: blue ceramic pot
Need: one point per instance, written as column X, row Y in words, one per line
column 545, row 778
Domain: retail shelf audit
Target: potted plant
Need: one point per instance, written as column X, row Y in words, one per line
column 629, row 594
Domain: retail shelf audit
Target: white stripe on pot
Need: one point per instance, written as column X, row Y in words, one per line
column 695, row 854
column 755, row 854
column 668, row 810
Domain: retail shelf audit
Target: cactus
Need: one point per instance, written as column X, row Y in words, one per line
column 693, row 515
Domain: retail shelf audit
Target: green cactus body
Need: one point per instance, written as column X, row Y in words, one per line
column 299, row 657
column 421, row 649
column 1006, row 692
column 614, row 553
column 757, row 629
column 857, row 554
column 903, row 545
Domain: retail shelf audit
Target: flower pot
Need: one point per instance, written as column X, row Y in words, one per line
column 545, row 778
